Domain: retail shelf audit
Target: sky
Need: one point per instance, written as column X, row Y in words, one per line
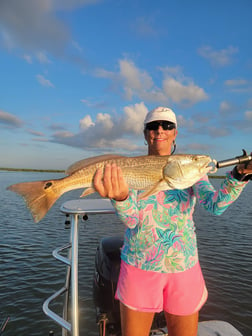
column 77, row 77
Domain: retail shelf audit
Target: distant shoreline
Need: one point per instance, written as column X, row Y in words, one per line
column 62, row 171
column 33, row 170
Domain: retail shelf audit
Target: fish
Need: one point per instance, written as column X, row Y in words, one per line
column 149, row 173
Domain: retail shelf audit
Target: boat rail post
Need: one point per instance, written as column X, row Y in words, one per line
column 74, row 275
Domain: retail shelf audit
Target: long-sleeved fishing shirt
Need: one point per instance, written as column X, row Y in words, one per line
column 160, row 234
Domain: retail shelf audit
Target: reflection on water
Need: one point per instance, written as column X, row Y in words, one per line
column 29, row 273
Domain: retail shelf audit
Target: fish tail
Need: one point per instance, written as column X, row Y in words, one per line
column 39, row 196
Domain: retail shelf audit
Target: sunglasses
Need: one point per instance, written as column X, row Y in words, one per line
column 154, row 125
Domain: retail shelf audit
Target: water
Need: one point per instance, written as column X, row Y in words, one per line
column 29, row 274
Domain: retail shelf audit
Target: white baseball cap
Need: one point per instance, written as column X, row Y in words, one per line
column 160, row 113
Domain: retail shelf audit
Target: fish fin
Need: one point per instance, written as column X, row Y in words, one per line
column 93, row 160
column 39, row 197
column 88, row 191
column 160, row 185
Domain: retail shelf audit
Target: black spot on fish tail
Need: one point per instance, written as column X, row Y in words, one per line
column 48, row 185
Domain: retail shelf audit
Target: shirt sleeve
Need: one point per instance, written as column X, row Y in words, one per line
column 127, row 210
column 217, row 201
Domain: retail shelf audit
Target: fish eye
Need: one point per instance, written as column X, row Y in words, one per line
column 48, row 185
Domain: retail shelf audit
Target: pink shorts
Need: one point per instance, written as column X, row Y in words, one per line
column 182, row 293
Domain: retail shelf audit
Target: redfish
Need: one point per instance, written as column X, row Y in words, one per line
column 148, row 173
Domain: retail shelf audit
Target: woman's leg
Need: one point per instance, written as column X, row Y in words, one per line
column 182, row 325
column 135, row 323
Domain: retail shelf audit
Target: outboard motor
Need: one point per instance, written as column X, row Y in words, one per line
column 107, row 267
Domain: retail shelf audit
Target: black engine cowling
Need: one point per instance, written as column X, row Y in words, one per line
column 107, row 267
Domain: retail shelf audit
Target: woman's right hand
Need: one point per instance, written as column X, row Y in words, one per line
column 111, row 183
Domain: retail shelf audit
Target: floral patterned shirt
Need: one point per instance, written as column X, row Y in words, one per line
column 160, row 234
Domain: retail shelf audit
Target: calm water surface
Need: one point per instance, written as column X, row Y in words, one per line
column 29, row 273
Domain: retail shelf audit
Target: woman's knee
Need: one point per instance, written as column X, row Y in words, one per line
column 184, row 325
column 135, row 323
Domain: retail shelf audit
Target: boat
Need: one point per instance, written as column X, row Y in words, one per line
column 107, row 265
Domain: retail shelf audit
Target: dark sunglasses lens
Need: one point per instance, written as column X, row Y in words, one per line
column 166, row 125
column 152, row 126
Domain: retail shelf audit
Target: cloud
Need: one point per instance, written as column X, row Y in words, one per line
column 96, row 105
column 195, row 148
column 236, row 82
column 248, row 115
column 135, row 81
column 138, row 83
column 36, row 133
column 227, row 108
column 63, row 134
column 107, row 132
column 43, row 81
column 31, row 24
column 238, row 85
column 57, row 127
column 144, row 27
column 86, row 122
column 10, row 120
column 186, row 93
column 28, row 58
column 42, row 57
column 219, row 131
column 219, row 58
column 134, row 118
column 35, row 25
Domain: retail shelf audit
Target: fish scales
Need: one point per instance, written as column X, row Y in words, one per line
column 139, row 172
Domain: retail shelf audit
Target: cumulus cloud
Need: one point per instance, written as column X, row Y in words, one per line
column 9, row 120
column 86, row 122
column 179, row 92
column 135, row 81
column 134, row 118
column 138, row 83
column 106, row 132
column 218, row 58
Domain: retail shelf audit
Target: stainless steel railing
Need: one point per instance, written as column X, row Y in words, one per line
column 71, row 278
column 73, row 208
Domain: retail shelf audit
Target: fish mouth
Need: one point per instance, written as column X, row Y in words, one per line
column 213, row 167
column 210, row 166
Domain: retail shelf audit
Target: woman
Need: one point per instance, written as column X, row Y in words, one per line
column 160, row 270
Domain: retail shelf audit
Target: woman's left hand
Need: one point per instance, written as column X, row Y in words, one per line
column 245, row 168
